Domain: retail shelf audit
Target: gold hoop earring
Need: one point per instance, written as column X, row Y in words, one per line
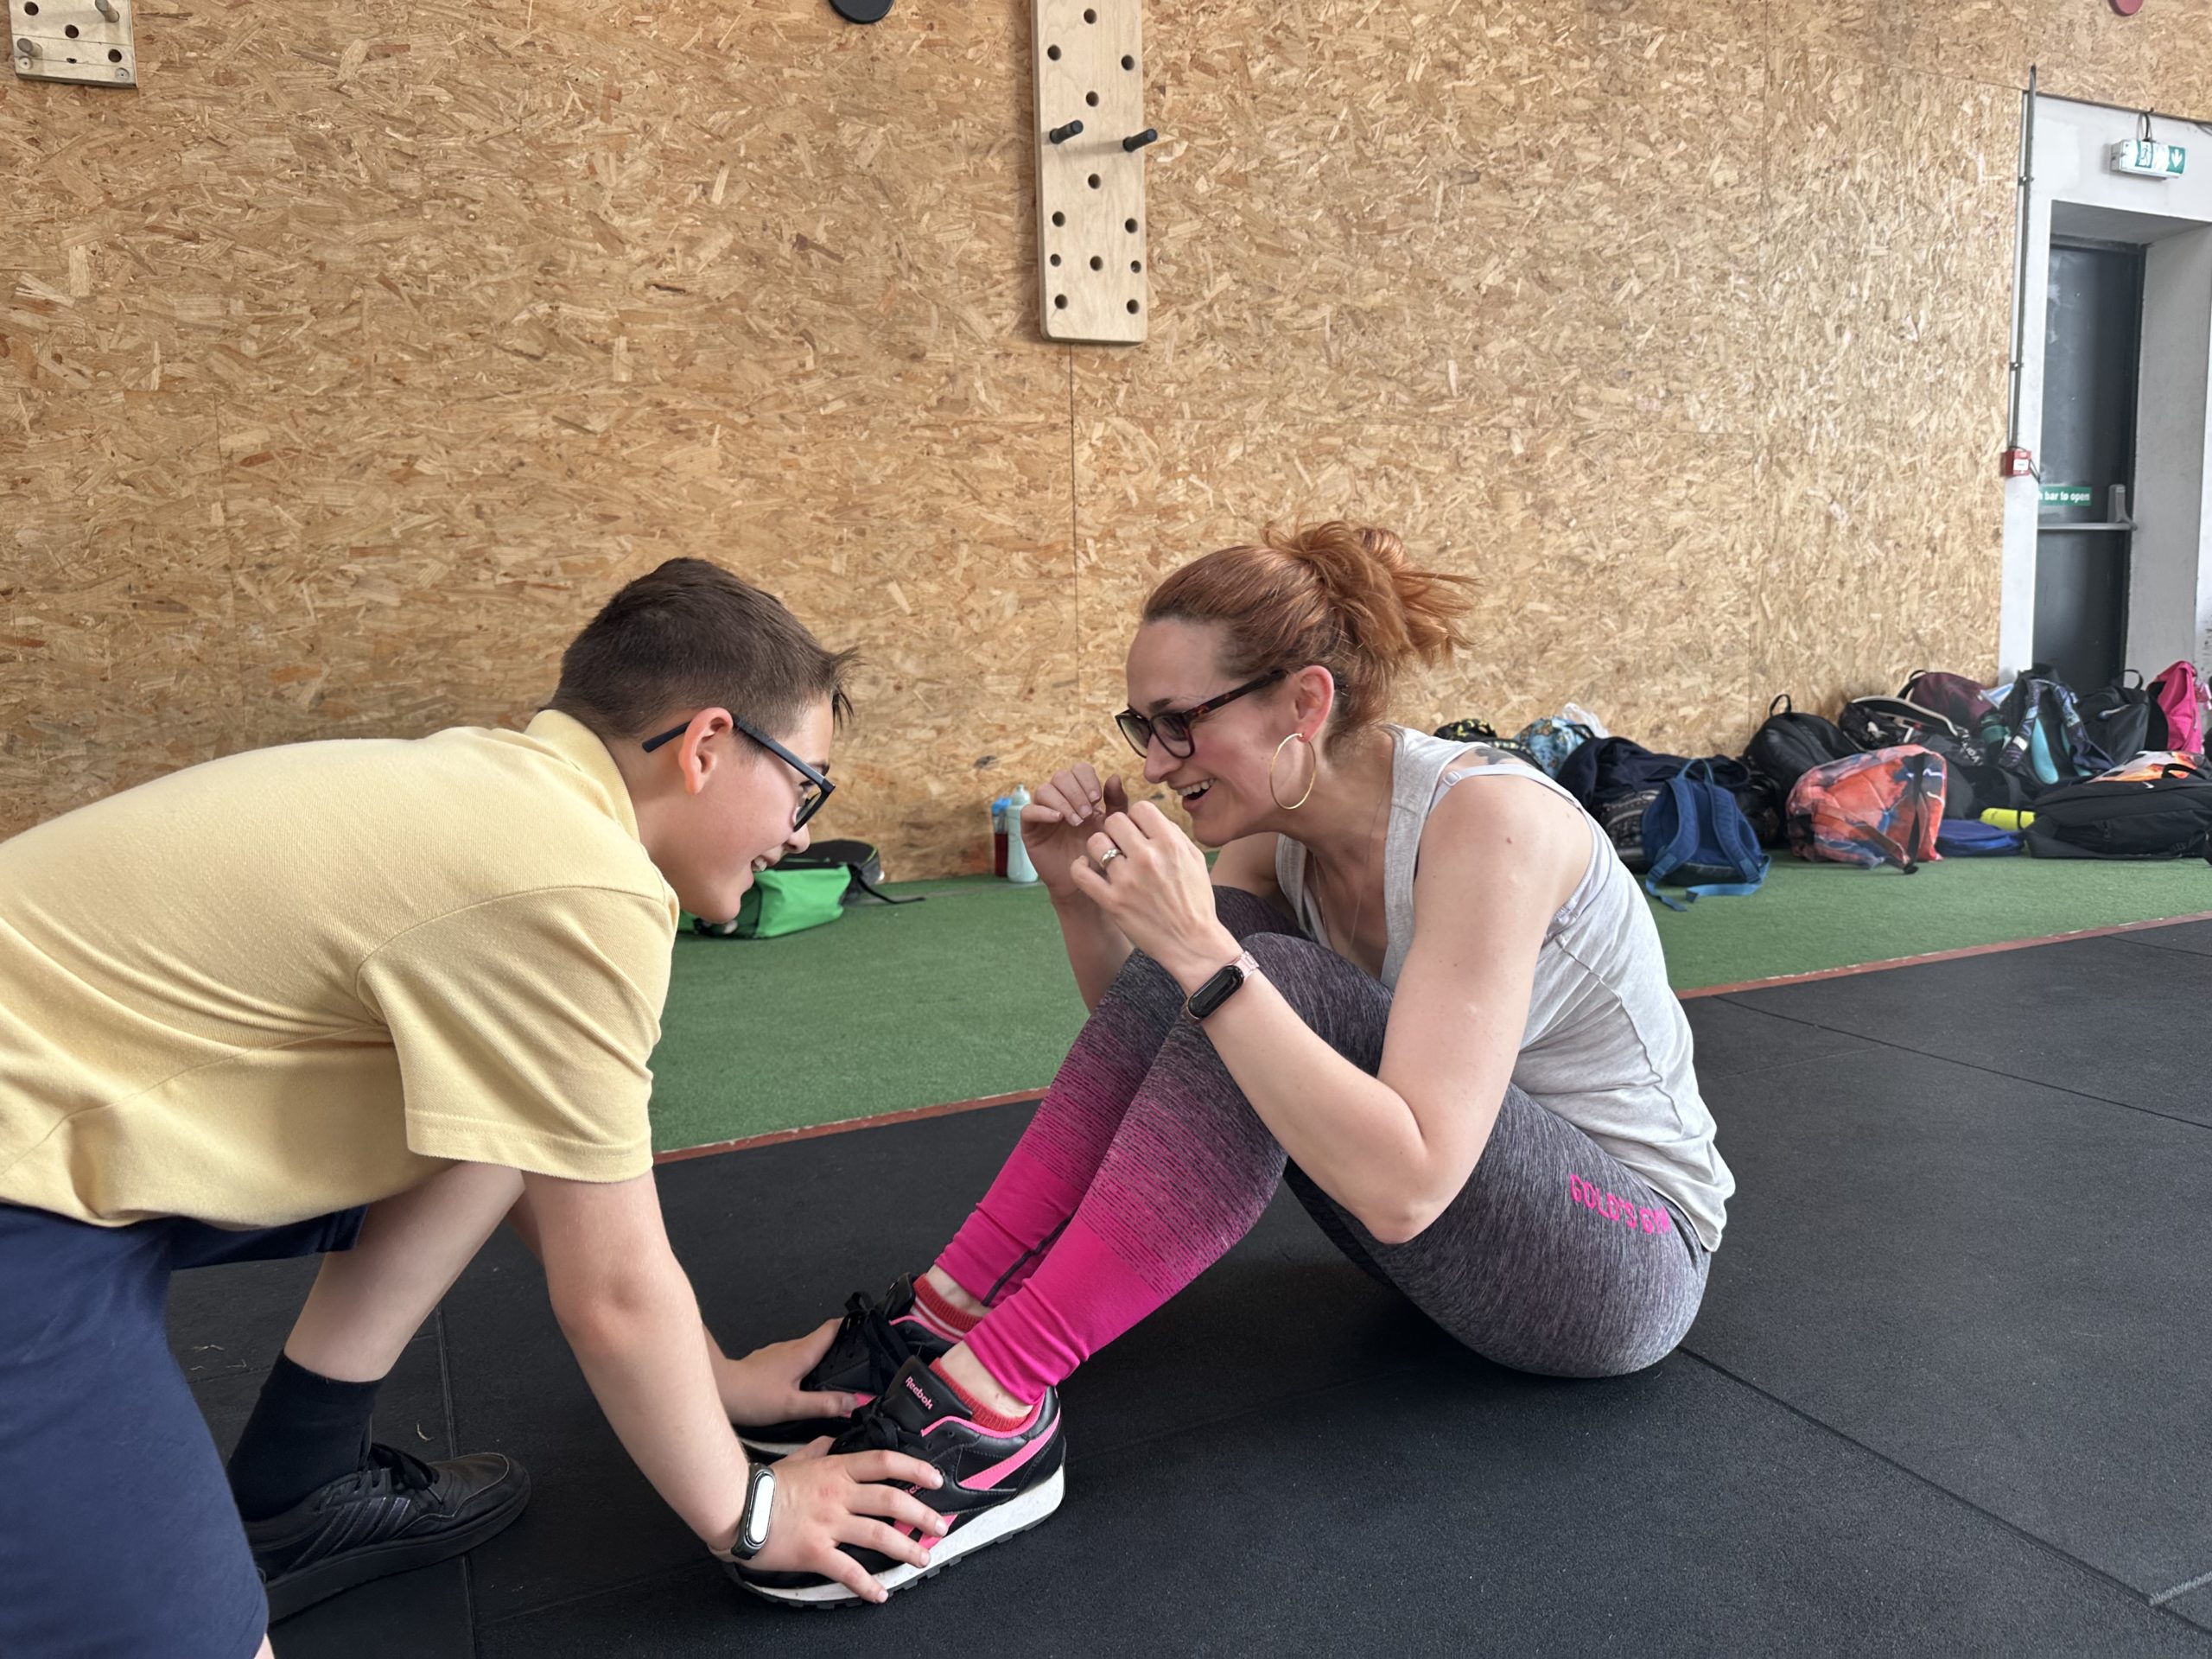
column 1290, row 807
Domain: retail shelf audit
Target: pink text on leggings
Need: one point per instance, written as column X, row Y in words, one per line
column 1614, row 1208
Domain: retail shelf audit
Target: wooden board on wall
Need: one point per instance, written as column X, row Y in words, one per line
column 348, row 365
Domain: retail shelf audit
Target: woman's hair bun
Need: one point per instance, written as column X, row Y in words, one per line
column 1388, row 610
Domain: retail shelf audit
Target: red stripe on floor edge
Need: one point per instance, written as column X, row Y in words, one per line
column 777, row 1137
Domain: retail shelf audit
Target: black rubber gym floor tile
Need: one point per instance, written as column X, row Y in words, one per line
column 233, row 1320
column 776, row 1237
column 2103, row 1017
column 1733, row 1038
column 2000, row 1285
column 421, row 1615
column 2196, row 1606
column 2196, row 937
column 1455, row 1510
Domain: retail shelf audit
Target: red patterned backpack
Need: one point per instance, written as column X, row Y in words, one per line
column 1883, row 808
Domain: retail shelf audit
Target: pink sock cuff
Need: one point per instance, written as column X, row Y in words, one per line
column 991, row 1421
column 940, row 1315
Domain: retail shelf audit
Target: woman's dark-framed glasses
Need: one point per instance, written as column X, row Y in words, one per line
column 1172, row 725
column 814, row 790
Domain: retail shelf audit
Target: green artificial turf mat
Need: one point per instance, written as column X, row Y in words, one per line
column 888, row 1007
column 969, row 995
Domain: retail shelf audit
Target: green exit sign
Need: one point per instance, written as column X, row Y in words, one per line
column 2148, row 159
column 2068, row 495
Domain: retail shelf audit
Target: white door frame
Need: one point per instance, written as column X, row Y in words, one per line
column 2074, row 193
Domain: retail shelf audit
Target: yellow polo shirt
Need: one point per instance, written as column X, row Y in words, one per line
column 304, row 978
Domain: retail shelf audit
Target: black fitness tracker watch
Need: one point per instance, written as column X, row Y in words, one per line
column 753, row 1525
column 1223, row 986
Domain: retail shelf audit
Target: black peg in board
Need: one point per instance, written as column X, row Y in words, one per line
column 862, row 11
column 1061, row 134
column 1139, row 140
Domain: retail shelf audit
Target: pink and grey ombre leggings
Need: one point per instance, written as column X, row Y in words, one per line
column 1144, row 1165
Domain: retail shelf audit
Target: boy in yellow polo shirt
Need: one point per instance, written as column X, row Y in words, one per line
column 369, row 998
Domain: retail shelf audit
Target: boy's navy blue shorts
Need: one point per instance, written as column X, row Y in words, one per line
column 118, row 1534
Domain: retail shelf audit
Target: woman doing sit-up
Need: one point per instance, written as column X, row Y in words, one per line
column 1417, row 983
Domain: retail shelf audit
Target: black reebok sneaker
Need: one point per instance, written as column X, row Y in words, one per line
column 873, row 1341
column 995, row 1485
column 394, row 1513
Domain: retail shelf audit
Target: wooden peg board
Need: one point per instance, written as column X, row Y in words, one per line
column 69, row 39
column 1090, row 190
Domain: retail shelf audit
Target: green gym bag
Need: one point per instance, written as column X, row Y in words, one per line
column 783, row 902
column 808, row 889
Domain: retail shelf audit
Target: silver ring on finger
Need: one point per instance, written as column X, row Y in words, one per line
column 1109, row 855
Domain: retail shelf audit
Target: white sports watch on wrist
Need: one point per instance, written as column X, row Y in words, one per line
column 753, row 1525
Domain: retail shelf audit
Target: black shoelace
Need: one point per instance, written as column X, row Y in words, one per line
column 867, row 1324
column 409, row 1473
column 878, row 1431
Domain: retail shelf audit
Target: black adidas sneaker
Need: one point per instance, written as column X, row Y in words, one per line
column 395, row 1513
column 873, row 1341
column 996, row 1485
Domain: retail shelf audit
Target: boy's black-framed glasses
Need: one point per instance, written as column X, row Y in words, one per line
column 1172, row 725
column 816, row 789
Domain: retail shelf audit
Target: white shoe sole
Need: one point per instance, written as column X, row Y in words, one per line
column 1015, row 1515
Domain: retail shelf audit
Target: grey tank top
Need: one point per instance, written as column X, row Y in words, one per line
column 1606, row 1047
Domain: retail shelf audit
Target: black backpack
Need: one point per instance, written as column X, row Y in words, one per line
column 861, row 863
column 2165, row 815
column 1894, row 723
column 2044, row 742
column 1597, row 773
column 1789, row 745
column 2124, row 720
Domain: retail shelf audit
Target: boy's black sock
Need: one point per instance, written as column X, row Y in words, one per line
column 306, row 1431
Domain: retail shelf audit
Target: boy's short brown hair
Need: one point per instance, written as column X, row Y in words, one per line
column 689, row 636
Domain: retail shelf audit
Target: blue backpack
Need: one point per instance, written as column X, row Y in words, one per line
column 1969, row 838
column 1695, row 833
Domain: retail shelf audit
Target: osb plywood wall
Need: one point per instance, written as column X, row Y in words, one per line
column 346, row 367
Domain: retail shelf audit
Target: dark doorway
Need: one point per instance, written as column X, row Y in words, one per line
column 2092, row 350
